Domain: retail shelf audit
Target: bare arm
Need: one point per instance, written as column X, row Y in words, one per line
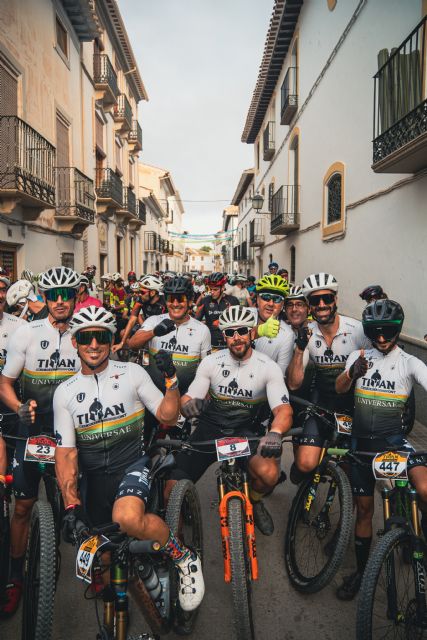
column 3, row 457
column 7, row 393
column 130, row 325
column 282, row 421
column 343, row 383
column 66, row 468
column 140, row 339
column 168, row 410
column 295, row 371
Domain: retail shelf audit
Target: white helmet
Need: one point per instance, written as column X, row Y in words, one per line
column 134, row 286
column 240, row 278
column 319, row 281
column 116, row 276
column 27, row 275
column 19, row 292
column 152, row 283
column 295, row 293
column 92, row 317
column 59, row 277
column 236, row 316
column 5, row 280
column 84, row 280
column 106, row 276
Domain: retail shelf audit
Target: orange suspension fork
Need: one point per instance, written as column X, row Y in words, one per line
column 249, row 529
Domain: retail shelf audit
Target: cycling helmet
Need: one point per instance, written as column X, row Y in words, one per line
column 59, row 277
column 273, row 284
column 240, row 278
column 27, row 275
column 273, row 265
column 134, row 286
column 84, row 280
column 116, row 277
column 236, row 316
column 319, row 281
column 373, row 291
column 106, row 276
column 383, row 312
column 92, row 317
column 132, row 275
column 153, row 283
column 178, row 285
column 296, row 293
column 216, row 279
column 18, row 292
column 5, row 280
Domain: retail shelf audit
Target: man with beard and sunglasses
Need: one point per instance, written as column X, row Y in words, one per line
column 233, row 392
column 41, row 353
column 382, row 377
column 327, row 342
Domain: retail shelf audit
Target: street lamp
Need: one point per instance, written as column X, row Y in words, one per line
column 257, row 201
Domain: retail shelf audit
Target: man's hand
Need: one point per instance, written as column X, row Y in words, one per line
column 269, row 329
column 194, row 407
column 75, row 518
column 117, row 347
column 164, row 327
column 270, row 445
column 303, row 336
column 27, row 412
column 164, row 362
column 359, row 367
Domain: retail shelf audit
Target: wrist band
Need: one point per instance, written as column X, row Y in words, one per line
column 2, row 479
column 71, row 506
column 171, row 383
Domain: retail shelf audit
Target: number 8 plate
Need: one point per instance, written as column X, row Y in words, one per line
column 391, row 464
column 227, row 448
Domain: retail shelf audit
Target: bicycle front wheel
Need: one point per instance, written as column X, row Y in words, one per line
column 240, row 572
column 40, row 572
column 4, row 544
column 387, row 606
column 319, row 530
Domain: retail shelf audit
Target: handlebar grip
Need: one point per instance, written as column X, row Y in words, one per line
column 144, row 546
column 301, row 401
column 296, row 431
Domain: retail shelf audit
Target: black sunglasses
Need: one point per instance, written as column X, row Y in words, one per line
column 268, row 297
column 388, row 332
column 242, row 331
column 328, row 298
column 101, row 336
column 66, row 294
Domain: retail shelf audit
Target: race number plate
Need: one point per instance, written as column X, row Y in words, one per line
column 40, row 449
column 391, row 464
column 344, row 423
column 227, row 448
column 86, row 555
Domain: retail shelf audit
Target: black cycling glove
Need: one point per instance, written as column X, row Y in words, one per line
column 74, row 522
column 270, row 445
column 164, row 327
column 164, row 362
column 194, row 407
column 359, row 368
column 24, row 414
column 302, row 338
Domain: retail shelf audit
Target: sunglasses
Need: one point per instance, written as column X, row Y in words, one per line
column 388, row 332
column 268, row 297
column 86, row 337
column 66, row 294
column 242, row 331
column 180, row 297
column 328, row 298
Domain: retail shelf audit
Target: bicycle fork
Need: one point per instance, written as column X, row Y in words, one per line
column 249, row 527
column 116, row 602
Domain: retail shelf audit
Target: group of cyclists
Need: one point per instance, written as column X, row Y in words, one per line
column 224, row 352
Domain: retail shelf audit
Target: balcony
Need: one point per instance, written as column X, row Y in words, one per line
column 268, row 139
column 27, row 176
column 128, row 210
column 75, row 208
column 171, row 249
column 285, row 212
column 141, row 216
column 151, row 242
column 236, row 253
column 123, row 115
column 400, row 112
column 256, row 233
column 289, row 97
column 109, row 191
column 135, row 137
column 105, row 79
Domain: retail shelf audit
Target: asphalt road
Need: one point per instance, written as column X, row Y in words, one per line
column 280, row 613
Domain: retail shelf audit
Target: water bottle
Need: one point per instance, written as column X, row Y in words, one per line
column 148, row 575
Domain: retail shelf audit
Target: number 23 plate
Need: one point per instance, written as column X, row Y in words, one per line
column 391, row 464
column 40, row 449
column 227, row 448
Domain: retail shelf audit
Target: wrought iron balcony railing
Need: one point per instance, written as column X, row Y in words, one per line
column 135, row 136
column 256, row 233
column 129, row 200
column 152, row 241
column 400, row 107
column 27, row 162
column 74, row 194
column 244, row 250
column 268, row 140
column 142, row 212
column 123, row 112
column 109, row 186
column 285, row 213
column 289, row 97
column 104, row 76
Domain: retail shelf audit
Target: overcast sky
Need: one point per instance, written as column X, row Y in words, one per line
column 199, row 61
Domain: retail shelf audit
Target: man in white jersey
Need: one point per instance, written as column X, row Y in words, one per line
column 99, row 419
column 42, row 354
column 242, row 386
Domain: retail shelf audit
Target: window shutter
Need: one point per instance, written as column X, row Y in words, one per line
column 99, row 133
column 8, row 93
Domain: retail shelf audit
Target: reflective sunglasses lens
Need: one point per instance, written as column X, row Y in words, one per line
column 86, row 337
column 66, row 294
column 328, row 298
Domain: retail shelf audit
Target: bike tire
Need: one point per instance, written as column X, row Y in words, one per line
column 4, row 544
column 371, row 587
column 304, row 578
column 184, row 517
column 240, row 573
column 40, row 573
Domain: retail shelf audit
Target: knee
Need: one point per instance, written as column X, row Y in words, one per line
column 130, row 523
column 421, row 488
column 306, row 464
column 365, row 512
column 268, row 473
column 22, row 511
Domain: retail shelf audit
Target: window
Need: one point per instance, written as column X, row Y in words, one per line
column 293, row 259
column 257, row 155
column 334, row 200
column 67, row 260
column 118, row 157
column 61, row 37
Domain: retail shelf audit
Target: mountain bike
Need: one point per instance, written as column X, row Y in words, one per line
column 392, row 601
column 5, row 535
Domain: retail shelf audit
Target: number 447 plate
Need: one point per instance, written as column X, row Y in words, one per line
column 227, row 448
column 391, row 464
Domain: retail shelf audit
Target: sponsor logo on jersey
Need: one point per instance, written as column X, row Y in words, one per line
column 172, row 345
column 81, row 397
column 225, row 373
column 44, row 344
column 232, row 389
column 55, row 362
column 331, row 359
column 98, row 412
column 318, row 344
column 376, row 382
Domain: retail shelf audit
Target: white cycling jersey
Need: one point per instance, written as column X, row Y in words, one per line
column 281, row 348
column 240, row 391
column 8, row 325
column 103, row 415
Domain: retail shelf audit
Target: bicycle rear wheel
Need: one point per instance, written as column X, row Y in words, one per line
column 4, row 544
column 39, row 579
column 240, row 572
column 387, row 607
column 316, row 539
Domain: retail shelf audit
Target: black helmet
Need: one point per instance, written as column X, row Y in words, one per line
column 216, row 278
column 178, row 285
column 383, row 317
column 373, row 291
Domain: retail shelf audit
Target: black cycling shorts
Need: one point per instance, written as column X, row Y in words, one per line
column 26, row 475
column 362, row 478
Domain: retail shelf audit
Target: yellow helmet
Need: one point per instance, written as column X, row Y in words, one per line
column 273, row 284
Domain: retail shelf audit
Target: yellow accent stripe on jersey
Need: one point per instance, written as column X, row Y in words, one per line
column 365, row 393
column 179, row 357
column 110, row 425
column 239, row 398
column 48, row 375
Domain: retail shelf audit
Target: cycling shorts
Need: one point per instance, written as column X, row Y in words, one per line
column 362, row 479
column 26, row 475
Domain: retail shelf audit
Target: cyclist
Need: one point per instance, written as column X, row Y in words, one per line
column 383, row 376
column 42, row 352
column 373, row 292
column 272, row 268
column 328, row 343
column 212, row 305
column 284, row 273
column 242, row 386
column 99, row 418
column 83, row 297
column 23, row 302
column 131, row 279
column 239, row 291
